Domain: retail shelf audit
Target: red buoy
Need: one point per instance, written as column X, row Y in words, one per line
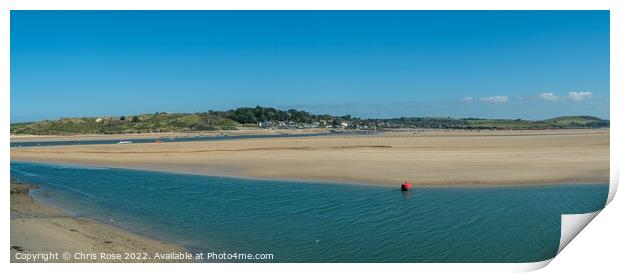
column 406, row 186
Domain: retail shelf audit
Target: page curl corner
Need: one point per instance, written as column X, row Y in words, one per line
column 572, row 225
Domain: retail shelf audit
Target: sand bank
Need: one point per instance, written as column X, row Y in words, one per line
column 424, row 157
column 40, row 229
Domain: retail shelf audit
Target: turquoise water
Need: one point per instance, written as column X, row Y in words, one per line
column 320, row 222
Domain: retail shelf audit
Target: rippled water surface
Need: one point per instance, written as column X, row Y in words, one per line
column 320, row 222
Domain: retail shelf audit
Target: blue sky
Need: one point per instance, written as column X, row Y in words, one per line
column 490, row 64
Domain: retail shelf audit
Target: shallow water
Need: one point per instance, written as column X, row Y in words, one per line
column 177, row 139
column 320, row 222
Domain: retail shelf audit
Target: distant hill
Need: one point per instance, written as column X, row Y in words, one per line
column 273, row 118
column 576, row 120
column 159, row 122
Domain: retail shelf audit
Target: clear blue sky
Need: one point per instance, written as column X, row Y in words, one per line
column 501, row 64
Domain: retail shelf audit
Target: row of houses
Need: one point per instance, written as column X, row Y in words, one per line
column 300, row 125
column 313, row 125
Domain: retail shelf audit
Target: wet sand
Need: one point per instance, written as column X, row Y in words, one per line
column 423, row 157
column 38, row 228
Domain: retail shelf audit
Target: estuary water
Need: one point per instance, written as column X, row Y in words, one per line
column 319, row 222
column 18, row 144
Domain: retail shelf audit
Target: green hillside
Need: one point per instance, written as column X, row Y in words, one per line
column 268, row 117
column 575, row 120
column 159, row 122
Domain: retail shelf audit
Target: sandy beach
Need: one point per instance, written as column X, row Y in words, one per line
column 38, row 229
column 427, row 157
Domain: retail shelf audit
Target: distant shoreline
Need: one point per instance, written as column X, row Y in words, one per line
column 292, row 132
column 432, row 158
column 129, row 136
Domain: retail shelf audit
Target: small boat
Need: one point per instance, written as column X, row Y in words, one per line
column 124, row 142
column 406, row 186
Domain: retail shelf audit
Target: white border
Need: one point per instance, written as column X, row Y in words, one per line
column 313, row 5
column 614, row 41
column 6, row 6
